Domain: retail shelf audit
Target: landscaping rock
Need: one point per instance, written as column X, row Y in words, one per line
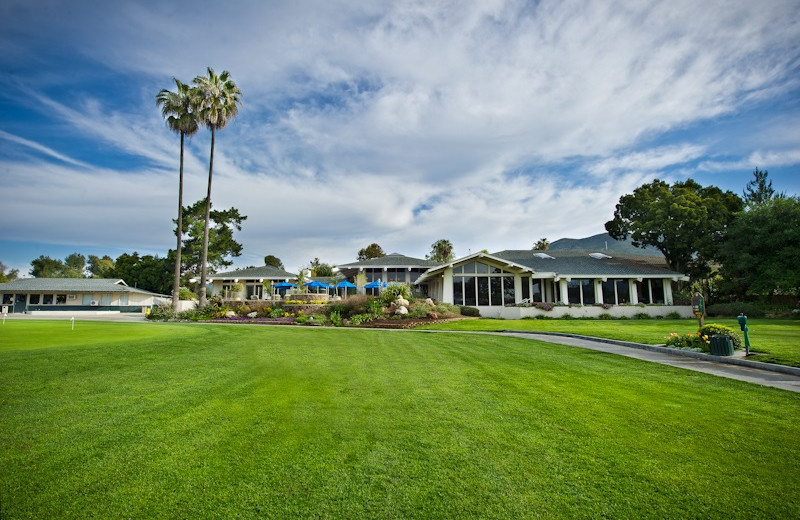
column 252, row 315
column 401, row 310
column 230, row 314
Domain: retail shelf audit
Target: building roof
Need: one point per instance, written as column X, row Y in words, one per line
column 571, row 263
column 87, row 285
column 587, row 263
column 266, row 272
column 390, row 260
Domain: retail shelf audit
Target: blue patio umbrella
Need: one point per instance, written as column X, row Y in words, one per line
column 375, row 285
column 284, row 285
column 317, row 284
column 344, row 284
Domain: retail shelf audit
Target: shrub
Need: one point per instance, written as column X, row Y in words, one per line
column 567, row 316
column 358, row 319
column 696, row 342
column 544, row 306
column 336, row 318
column 394, row 290
column 185, row 294
column 470, row 311
column 161, row 313
column 605, row 316
column 711, row 329
column 674, row 315
column 351, row 305
column 277, row 313
column 641, row 316
column 374, row 307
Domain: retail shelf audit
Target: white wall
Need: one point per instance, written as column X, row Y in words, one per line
column 589, row 311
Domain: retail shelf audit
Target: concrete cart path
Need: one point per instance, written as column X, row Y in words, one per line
column 758, row 376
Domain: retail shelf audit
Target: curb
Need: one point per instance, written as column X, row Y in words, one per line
column 782, row 369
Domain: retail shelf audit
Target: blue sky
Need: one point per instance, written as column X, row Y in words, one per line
column 490, row 123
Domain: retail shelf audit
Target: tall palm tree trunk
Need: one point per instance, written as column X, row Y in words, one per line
column 176, row 283
column 202, row 290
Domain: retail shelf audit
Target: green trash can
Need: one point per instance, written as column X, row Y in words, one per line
column 721, row 345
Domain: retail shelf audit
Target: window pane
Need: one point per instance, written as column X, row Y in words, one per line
column 458, row 269
column 508, row 290
column 526, row 287
column 8, row 299
column 494, row 270
column 47, row 299
column 105, row 299
column 458, row 290
column 87, row 299
column 536, row 294
column 642, row 291
column 608, row 292
column 588, row 291
column 483, row 290
column 574, row 292
column 469, row 267
column 123, row 299
column 623, row 292
column 470, row 296
column 61, row 299
column 482, row 268
column 657, row 286
column 496, row 290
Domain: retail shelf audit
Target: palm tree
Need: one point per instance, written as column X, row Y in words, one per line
column 217, row 102
column 178, row 111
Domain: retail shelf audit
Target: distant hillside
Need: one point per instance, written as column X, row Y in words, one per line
column 602, row 242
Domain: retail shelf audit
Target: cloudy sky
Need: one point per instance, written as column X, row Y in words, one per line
column 489, row 123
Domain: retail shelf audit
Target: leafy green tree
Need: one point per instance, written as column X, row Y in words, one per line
column 441, row 251
column 274, row 261
column 221, row 244
column 46, row 267
column 148, row 272
column 320, row 268
column 9, row 276
column 371, row 251
column 541, row 245
column 759, row 190
column 685, row 221
column 100, row 267
column 75, row 266
column 761, row 249
column 217, row 102
column 178, row 110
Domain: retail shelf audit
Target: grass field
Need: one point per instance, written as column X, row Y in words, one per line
column 776, row 341
column 202, row 421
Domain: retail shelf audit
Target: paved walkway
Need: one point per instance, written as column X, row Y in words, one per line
column 706, row 364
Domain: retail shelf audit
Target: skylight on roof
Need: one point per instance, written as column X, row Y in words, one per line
column 543, row 255
column 599, row 256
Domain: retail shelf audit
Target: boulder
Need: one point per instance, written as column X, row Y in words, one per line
column 401, row 310
column 252, row 315
column 230, row 314
column 430, row 303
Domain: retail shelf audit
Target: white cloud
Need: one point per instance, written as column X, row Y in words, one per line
column 492, row 124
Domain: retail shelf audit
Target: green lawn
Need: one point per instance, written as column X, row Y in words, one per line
column 776, row 341
column 148, row 420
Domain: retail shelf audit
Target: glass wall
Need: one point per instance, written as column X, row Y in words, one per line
column 650, row 291
column 477, row 283
column 580, row 291
column 616, row 291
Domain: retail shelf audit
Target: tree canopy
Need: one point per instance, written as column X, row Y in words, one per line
column 71, row 267
column 761, row 250
column 221, row 244
column 7, row 276
column 148, row 272
column 100, row 267
column 274, row 261
column 320, row 268
column 371, row 251
column 685, row 221
column 759, row 190
column 541, row 245
column 441, row 251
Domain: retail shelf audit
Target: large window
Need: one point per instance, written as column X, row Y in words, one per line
column 580, row 291
column 254, row 291
column 616, row 291
column 650, row 291
column 477, row 283
column 35, row 299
